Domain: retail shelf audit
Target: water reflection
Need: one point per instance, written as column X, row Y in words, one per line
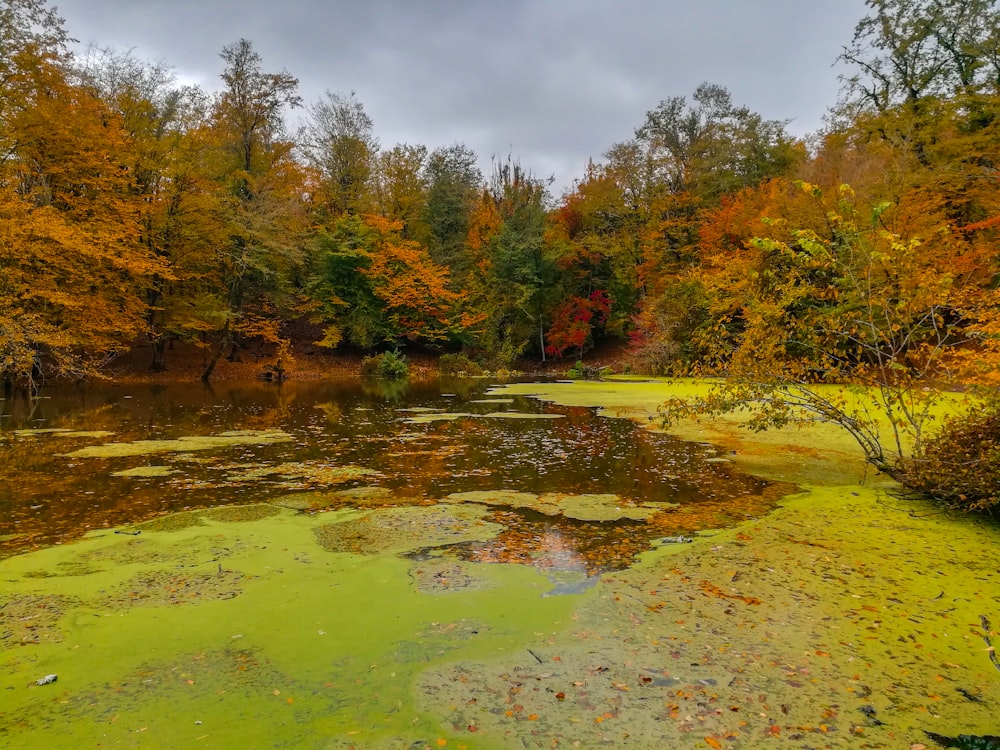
column 390, row 436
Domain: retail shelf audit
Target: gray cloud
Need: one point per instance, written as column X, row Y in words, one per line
column 553, row 82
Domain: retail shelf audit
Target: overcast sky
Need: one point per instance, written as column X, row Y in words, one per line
column 552, row 82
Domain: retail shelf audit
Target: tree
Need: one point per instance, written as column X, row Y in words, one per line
column 907, row 51
column 71, row 268
column 454, row 184
column 401, row 189
column 263, row 197
column 180, row 214
column 878, row 316
column 253, row 102
column 713, row 147
column 373, row 287
column 339, row 142
column 513, row 273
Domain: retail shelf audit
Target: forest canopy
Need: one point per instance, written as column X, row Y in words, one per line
column 137, row 211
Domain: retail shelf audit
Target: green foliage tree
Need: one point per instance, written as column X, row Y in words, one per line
column 263, row 190
column 454, row 184
column 513, row 270
column 339, row 142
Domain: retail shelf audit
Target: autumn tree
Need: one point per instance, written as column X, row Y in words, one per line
column 263, row 195
column 909, row 51
column 72, row 268
column 513, row 272
column 845, row 301
column 400, row 189
column 374, row 287
column 180, row 213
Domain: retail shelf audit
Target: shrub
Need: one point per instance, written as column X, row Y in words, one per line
column 960, row 466
column 388, row 366
column 458, row 364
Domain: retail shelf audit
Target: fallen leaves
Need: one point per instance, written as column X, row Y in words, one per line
column 712, row 590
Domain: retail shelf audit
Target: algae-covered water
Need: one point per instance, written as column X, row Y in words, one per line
column 453, row 565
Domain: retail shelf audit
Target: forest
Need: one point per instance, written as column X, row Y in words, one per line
column 136, row 212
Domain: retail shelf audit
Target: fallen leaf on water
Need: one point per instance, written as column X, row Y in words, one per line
column 712, row 742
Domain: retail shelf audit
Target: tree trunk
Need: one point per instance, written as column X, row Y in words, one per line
column 224, row 342
column 158, row 365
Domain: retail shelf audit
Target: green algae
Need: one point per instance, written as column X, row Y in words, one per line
column 184, row 444
column 436, row 575
column 308, row 473
column 592, row 507
column 796, row 626
column 222, row 513
column 240, row 513
column 425, row 418
column 521, row 415
column 62, row 432
column 397, row 530
column 31, row 619
column 428, row 418
column 145, row 471
column 366, row 496
column 290, row 642
column 785, row 632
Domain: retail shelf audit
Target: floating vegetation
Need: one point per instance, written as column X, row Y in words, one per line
column 405, row 529
column 145, row 471
column 191, row 443
column 240, row 513
column 306, row 473
column 168, row 587
column 63, row 432
column 29, row 619
column 319, row 500
column 522, row 415
column 173, row 522
column 578, row 507
column 437, row 417
column 435, row 575
column 221, row 514
column 449, row 416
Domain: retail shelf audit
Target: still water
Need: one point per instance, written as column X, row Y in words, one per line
column 416, row 442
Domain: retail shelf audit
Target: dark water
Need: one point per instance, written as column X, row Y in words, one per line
column 47, row 497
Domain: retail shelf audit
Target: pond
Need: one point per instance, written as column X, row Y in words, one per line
column 457, row 565
column 77, row 460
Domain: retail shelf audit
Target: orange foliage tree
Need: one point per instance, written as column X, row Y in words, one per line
column 842, row 299
column 372, row 287
column 73, row 269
